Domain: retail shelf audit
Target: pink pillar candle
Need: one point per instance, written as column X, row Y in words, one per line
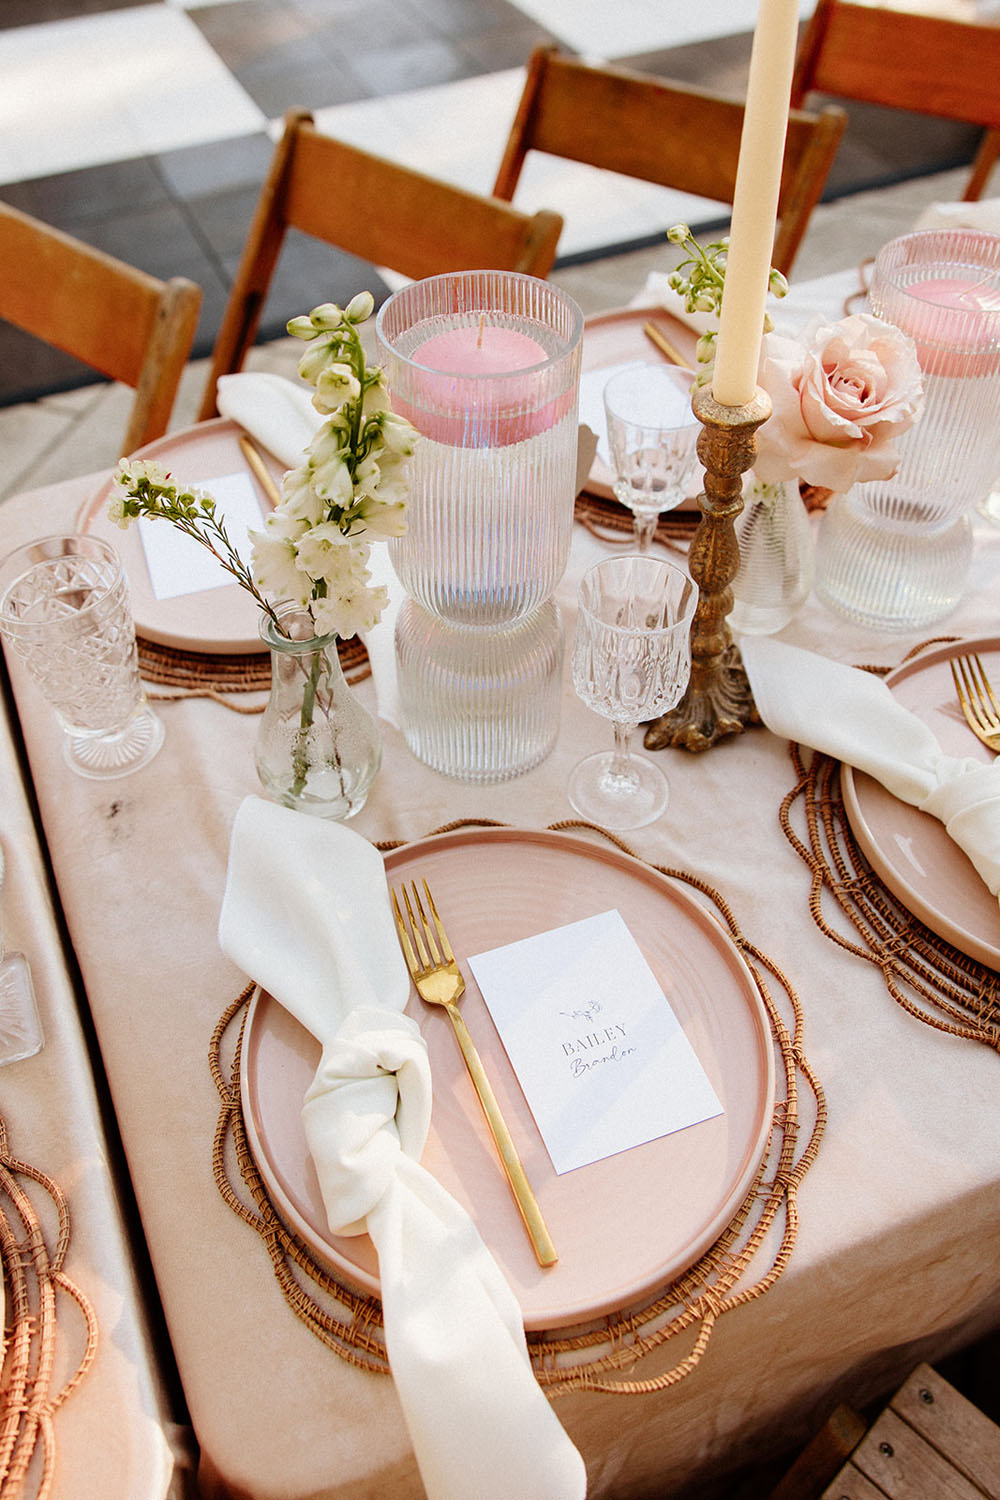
column 955, row 324
column 481, row 385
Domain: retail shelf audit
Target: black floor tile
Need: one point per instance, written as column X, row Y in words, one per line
column 390, row 70
column 75, row 200
column 302, row 74
column 464, row 18
column 504, row 47
column 29, row 369
column 310, row 272
column 37, row 12
column 390, row 23
column 198, row 173
column 246, row 31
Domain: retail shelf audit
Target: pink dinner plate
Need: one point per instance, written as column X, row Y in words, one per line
column 224, row 619
column 617, row 337
column 908, row 849
column 624, row 1226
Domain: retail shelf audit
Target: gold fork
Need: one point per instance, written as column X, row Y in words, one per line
column 439, row 982
column 976, row 700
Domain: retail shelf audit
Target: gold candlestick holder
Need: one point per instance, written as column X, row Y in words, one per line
column 718, row 701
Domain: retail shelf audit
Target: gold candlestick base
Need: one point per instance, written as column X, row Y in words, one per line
column 718, row 701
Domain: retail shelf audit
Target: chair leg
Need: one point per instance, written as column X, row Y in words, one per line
column 822, row 1458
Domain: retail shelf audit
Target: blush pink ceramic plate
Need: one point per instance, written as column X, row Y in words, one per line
column 624, row 1226
column 213, row 620
column 617, row 337
column 909, row 850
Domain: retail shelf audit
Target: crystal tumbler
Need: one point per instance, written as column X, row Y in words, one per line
column 64, row 611
column 895, row 553
column 486, row 365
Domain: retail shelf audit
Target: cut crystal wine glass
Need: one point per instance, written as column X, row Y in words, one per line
column 652, row 439
column 631, row 662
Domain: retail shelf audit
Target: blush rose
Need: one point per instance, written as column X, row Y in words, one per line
column 841, row 396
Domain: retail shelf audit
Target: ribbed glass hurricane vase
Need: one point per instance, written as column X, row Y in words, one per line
column 894, row 554
column 486, row 365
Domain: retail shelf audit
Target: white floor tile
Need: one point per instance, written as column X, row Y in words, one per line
column 117, row 85
column 597, row 29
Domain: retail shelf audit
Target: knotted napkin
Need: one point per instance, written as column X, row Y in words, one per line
column 853, row 715
column 306, row 914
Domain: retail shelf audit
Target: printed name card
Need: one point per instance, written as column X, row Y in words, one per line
column 179, row 565
column 600, row 1055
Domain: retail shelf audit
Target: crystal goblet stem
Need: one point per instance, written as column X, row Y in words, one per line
column 631, row 660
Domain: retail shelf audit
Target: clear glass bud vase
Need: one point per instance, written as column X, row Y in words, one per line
column 777, row 557
column 318, row 747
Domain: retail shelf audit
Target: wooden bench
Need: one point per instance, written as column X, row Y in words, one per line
column 929, row 1443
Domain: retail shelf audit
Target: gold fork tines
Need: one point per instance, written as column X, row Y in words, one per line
column 439, row 981
column 976, row 700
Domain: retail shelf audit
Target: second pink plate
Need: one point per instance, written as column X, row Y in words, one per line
column 908, row 849
column 624, row 1226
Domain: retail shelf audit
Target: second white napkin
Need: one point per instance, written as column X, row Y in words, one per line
column 853, row 715
column 306, row 914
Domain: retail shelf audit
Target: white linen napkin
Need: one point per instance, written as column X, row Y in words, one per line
column 274, row 410
column 306, row 914
column 984, row 215
column 853, row 715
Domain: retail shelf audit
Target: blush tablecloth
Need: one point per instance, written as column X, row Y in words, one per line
column 117, row 1436
column 900, row 1215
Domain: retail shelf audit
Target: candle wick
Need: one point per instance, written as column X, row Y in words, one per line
column 482, row 324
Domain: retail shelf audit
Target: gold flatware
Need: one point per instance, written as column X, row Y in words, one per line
column 656, row 336
column 976, row 700
column 253, row 457
column 439, row 981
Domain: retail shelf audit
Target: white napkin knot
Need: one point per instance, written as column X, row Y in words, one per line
column 369, row 1100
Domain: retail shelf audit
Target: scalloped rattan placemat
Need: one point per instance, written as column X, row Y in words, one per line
column 33, row 1276
column 928, row 977
column 743, row 1264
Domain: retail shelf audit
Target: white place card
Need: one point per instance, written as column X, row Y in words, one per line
column 179, row 565
column 597, row 1049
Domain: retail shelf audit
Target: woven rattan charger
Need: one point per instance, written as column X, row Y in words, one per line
column 36, row 1288
column 615, row 1353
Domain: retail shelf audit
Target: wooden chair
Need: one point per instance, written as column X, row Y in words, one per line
column 377, row 210
column 929, row 1441
column 122, row 322
column 925, row 64
column 668, row 133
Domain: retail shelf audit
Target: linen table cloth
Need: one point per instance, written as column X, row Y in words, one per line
column 899, row 1230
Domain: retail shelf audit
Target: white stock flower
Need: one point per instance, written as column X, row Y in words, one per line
column 313, row 360
column 273, row 566
column 332, row 481
column 399, row 435
column 360, row 307
column 319, row 551
column 335, row 385
column 380, row 519
column 298, row 498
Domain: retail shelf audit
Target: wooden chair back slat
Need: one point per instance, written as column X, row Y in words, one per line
column 925, row 64
column 407, row 221
column 658, row 131
column 122, row 322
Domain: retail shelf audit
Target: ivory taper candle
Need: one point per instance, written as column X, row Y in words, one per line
column 755, row 203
